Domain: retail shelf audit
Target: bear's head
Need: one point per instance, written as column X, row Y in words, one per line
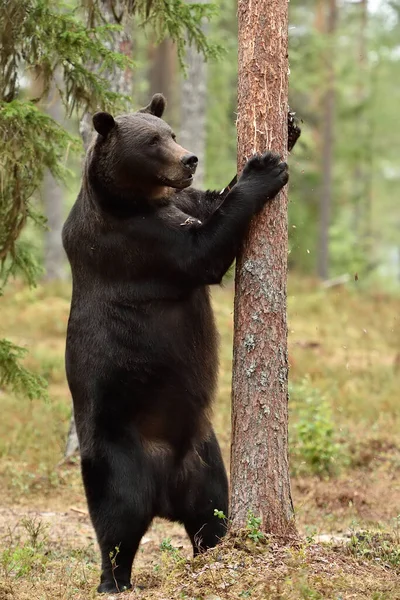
column 136, row 155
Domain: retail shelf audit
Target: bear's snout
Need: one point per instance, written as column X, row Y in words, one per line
column 190, row 162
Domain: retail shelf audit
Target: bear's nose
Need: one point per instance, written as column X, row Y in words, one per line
column 190, row 161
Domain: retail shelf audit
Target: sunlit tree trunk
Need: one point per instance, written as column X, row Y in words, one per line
column 328, row 120
column 120, row 82
column 259, row 460
column 163, row 77
column 193, row 108
column 53, row 206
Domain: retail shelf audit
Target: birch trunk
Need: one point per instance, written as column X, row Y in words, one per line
column 259, row 459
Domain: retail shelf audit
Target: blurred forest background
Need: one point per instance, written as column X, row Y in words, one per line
column 343, row 295
column 344, row 68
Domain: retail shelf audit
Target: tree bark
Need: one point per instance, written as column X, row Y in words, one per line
column 120, row 82
column 53, row 206
column 163, row 61
column 193, row 108
column 259, row 458
column 327, row 147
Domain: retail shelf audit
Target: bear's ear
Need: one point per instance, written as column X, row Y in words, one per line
column 156, row 106
column 103, row 122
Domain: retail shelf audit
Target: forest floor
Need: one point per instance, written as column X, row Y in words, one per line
column 344, row 348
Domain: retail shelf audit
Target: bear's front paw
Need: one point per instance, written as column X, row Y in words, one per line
column 261, row 163
column 266, row 174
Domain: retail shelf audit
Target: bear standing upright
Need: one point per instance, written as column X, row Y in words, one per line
column 141, row 355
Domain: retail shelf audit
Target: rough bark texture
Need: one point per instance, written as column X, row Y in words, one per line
column 327, row 148
column 259, row 458
column 120, row 82
column 193, row 108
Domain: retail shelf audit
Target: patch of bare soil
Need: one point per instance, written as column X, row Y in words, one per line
column 361, row 496
column 72, row 529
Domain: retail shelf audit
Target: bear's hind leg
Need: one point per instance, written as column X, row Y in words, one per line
column 204, row 490
column 119, row 503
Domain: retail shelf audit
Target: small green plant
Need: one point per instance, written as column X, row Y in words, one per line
column 383, row 548
column 18, row 560
column 167, row 547
column 253, row 527
column 219, row 513
column 113, row 559
column 314, row 442
column 311, row 532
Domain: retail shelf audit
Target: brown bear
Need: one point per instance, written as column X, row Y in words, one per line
column 141, row 356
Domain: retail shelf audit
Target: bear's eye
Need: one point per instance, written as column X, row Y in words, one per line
column 173, row 136
column 154, row 140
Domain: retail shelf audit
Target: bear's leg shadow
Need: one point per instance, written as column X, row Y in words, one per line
column 202, row 491
column 120, row 497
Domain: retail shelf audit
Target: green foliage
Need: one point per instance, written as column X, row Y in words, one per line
column 34, row 142
column 178, row 20
column 14, row 375
column 253, row 528
column 47, row 42
column 18, row 560
column 382, row 548
column 364, row 216
column 170, row 550
column 314, row 444
column 38, row 39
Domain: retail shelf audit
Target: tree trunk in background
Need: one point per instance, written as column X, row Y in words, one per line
column 259, row 459
column 163, row 77
column 363, row 170
column 53, row 206
column 327, row 147
column 120, row 82
column 193, row 109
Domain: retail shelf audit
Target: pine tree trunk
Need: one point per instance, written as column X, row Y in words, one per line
column 53, row 206
column 163, row 62
column 120, row 82
column 193, row 108
column 259, row 460
column 327, row 149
